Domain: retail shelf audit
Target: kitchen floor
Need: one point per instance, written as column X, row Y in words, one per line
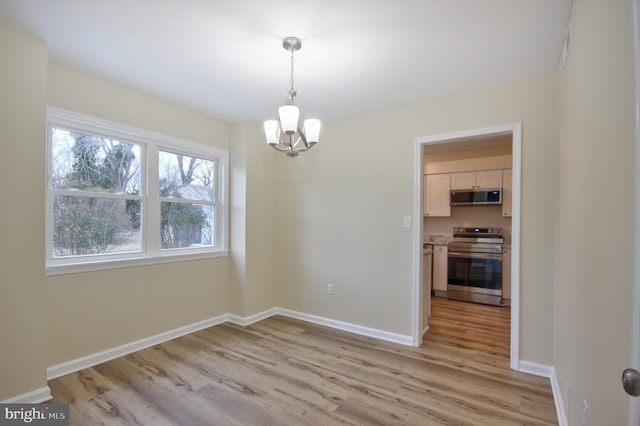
column 478, row 327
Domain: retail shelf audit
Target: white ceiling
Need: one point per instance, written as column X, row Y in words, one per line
column 225, row 58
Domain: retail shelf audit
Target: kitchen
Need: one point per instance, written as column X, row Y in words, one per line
column 467, row 220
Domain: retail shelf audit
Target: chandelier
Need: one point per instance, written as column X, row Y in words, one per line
column 284, row 134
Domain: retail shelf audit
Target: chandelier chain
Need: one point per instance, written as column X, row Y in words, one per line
column 292, row 92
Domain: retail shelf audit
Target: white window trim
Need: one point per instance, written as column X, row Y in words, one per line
column 150, row 141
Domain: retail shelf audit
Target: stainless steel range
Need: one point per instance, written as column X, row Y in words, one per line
column 474, row 265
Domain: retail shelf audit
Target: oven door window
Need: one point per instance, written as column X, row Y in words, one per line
column 475, row 272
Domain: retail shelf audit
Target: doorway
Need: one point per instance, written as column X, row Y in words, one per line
column 421, row 300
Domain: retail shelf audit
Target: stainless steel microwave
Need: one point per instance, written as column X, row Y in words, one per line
column 472, row 197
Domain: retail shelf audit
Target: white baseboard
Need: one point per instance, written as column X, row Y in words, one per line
column 109, row 354
column 237, row 319
column 345, row 326
column 557, row 397
column 34, row 397
column 550, row 373
column 118, row 351
column 536, row 369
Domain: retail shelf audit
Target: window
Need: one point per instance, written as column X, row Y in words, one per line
column 119, row 196
column 187, row 195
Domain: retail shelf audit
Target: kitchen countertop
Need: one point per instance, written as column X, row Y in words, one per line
column 443, row 240
column 437, row 240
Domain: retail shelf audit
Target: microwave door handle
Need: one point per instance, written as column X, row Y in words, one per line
column 475, row 255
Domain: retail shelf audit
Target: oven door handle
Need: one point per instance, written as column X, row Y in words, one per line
column 468, row 255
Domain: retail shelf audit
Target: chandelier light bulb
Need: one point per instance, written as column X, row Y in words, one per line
column 312, row 130
column 271, row 131
column 289, row 115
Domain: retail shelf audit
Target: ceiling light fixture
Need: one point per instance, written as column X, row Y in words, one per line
column 284, row 134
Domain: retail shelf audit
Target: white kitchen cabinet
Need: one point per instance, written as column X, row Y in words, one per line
column 477, row 180
column 436, row 195
column 440, row 271
column 507, row 176
column 463, row 180
column 489, row 179
column 506, row 276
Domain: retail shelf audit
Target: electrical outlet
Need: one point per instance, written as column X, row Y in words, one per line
column 329, row 288
column 585, row 413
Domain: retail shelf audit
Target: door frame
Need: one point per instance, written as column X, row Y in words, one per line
column 515, row 129
column 634, row 403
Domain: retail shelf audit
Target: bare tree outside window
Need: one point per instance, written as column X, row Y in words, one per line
column 86, row 169
column 186, row 191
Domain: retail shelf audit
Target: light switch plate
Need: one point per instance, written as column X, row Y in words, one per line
column 407, row 221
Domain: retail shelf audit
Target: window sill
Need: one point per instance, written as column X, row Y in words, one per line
column 74, row 268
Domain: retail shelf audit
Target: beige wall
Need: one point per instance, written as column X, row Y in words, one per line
column 84, row 93
column 595, row 212
column 23, row 82
column 341, row 217
column 254, row 182
column 90, row 312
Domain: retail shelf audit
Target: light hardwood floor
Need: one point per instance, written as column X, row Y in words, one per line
column 282, row 371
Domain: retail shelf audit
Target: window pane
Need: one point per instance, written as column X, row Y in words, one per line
column 90, row 226
column 93, row 163
column 182, row 176
column 186, row 225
